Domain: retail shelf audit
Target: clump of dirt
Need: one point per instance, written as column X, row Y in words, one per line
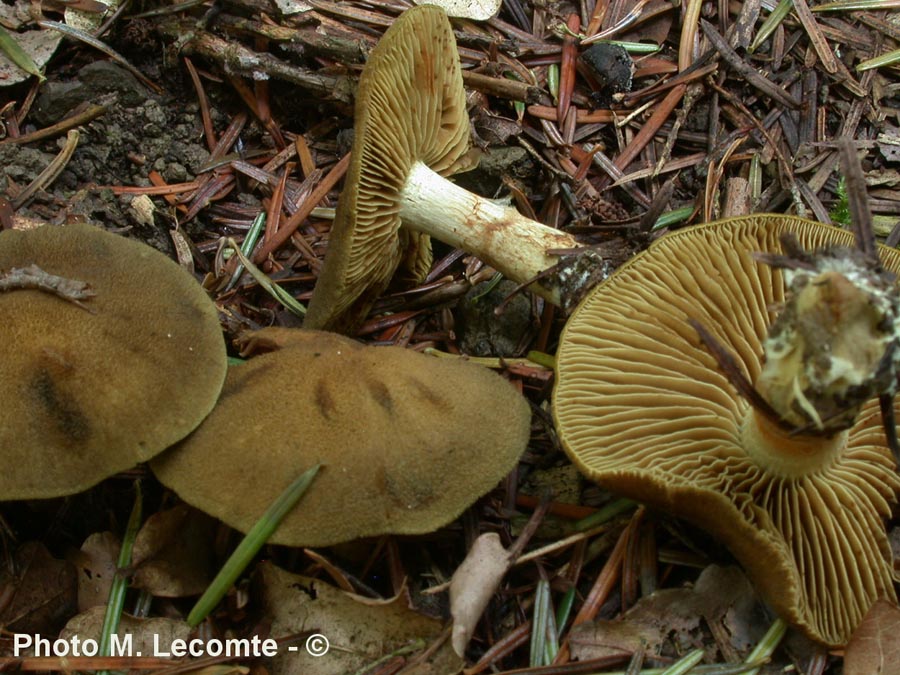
column 140, row 132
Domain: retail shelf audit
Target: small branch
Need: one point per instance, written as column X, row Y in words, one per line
column 502, row 88
column 746, row 71
column 858, row 201
column 34, row 278
column 50, row 173
column 735, row 375
column 235, row 58
column 91, row 112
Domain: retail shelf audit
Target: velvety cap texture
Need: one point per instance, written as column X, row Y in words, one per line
column 88, row 391
column 407, row 441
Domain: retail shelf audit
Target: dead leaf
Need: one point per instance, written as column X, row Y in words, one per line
column 359, row 633
column 173, row 553
column 473, row 584
column 151, row 636
column 45, row 591
column 88, row 16
column 671, row 621
column 874, row 648
column 38, row 44
column 655, row 30
column 96, row 563
column 604, row 639
column 478, row 10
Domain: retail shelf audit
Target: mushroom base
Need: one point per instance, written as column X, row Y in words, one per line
column 786, row 454
column 834, row 345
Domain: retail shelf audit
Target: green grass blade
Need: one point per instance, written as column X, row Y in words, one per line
column 116, row 602
column 772, row 22
column 270, row 286
column 247, row 247
column 888, row 59
column 256, row 538
column 17, row 55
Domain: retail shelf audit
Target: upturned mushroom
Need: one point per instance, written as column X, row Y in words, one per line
column 406, row 441
column 110, row 353
column 411, row 130
column 792, row 482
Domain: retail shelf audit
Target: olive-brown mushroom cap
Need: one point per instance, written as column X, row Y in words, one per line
column 410, row 107
column 643, row 409
column 407, row 441
column 89, row 392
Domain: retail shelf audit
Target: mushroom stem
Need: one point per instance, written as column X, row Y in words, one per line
column 499, row 235
column 786, row 454
column 834, row 346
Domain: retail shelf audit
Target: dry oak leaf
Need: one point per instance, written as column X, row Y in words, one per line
column 874, row 648
column 360, row 631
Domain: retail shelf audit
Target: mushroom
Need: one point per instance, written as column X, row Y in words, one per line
column 110, row 353
column 642, row 408
column 406, row 441
column 411, row 130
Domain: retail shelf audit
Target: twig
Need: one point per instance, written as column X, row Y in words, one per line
column 89, row 39
column 502, row 88
column 90, row 113
column 34, row 278
column 857, row 200
column 736, row 376
column 236, row 58
column 743, row 70
column 49, row 174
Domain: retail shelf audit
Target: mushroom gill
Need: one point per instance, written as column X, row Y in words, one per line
column 643, row 408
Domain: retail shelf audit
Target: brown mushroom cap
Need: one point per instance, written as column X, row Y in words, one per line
column 643, row 409
column 407, row 441
column 410, row 107
column 87, row 392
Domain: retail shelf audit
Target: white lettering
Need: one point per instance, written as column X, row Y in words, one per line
column 42, row 646
column 157, row 650
column 231, row 648
column 121, row 645
column 21, row 642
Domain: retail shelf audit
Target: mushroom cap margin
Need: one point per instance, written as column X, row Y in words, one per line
column 670, row 434
column 407, row 441
column 90, row 392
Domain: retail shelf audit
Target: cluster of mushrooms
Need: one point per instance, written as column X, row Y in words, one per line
column 114, row 354
column 710, row 376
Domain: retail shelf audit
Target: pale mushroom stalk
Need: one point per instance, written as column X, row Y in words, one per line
column 832, row 348
column 499, row 235
column 835, row 345
column 411, row 130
